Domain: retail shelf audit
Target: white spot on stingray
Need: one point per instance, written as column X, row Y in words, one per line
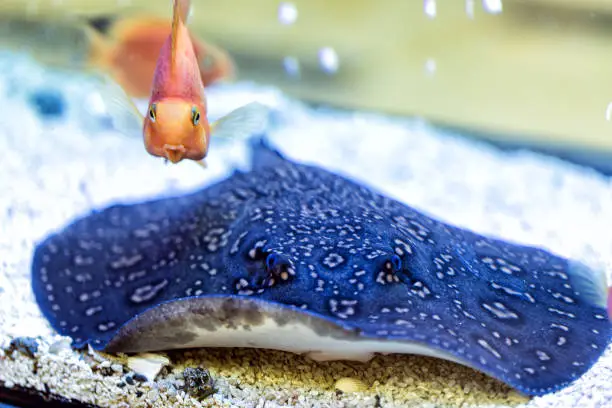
column 93, row 310
column 500, row 310
column 484, row 344
column 147, row 292
column 126, row 261
column 103, row 327
column 561, row 312
column 542, row 355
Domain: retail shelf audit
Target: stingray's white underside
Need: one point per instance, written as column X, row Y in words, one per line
column 301, row 339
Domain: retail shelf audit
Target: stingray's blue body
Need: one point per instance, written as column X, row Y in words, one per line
column 298, row 235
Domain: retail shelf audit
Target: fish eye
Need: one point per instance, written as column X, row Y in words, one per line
column 152, row 114
column 195, row 115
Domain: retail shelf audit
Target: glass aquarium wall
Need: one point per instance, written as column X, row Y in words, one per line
column 525, row 73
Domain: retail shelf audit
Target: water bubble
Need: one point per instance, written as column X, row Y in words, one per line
column 609, row 112
column 96, row 103
column 292, row 66
column 328, row 59
column 287, row 13
column 429, row 7
column 469, row 8
column 492, row 6
column 430, row 66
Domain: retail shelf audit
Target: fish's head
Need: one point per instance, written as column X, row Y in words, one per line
column 175, row 130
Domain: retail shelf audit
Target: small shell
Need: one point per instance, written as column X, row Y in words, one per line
column 147, row 364
column 347, row 384
column 61, row 345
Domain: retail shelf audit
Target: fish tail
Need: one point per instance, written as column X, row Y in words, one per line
column 135, row 51
column 180, row 12
column 99, row 48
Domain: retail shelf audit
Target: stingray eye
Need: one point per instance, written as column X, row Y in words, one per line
column 392, row 271
column 272, row 261
column 195, row 116
column 279, row 268
column 152, row 112
column 396, row 263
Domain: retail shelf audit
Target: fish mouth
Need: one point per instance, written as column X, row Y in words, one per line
column 174, row 153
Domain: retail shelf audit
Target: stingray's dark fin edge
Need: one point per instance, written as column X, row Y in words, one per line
column 264, row 154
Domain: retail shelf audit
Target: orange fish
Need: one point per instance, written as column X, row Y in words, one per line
column 176, row 126
column 131, row 49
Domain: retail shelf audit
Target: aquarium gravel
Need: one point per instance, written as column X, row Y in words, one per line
column 56, row 167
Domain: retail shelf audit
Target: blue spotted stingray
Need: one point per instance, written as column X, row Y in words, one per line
column 292, row 257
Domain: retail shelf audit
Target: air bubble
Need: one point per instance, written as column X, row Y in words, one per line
column 469, row 8
column 328, row 59
column 96, row 103
column 430, row 66
column 292, row 66
column 609, row 112
column 492, row 6
column 287, row 13
column 429, row 7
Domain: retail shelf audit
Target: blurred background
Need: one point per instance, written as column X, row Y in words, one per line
column 531, row 74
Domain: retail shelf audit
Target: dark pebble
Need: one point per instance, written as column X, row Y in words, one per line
column 106, row 371
column 139, row 393
column 121, row 384
column 140, row 378
column 25, row 345
column 48, row 103
column 129, row 380
column 198, row 382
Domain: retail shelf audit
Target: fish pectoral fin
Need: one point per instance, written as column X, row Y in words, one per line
column 241, row 122
column 202, row 163
column 125, row 116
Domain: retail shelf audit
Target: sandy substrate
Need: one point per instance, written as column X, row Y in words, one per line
column 54, row 170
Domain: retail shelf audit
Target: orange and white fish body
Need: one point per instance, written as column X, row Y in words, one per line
column 175, row 126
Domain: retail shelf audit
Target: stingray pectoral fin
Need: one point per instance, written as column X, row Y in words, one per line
column 236, row 321
column 223, row 321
